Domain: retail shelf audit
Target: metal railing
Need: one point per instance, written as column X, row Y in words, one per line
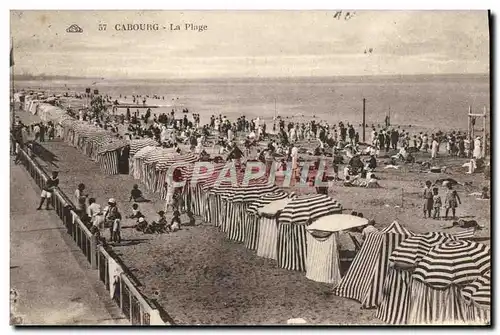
column 125, row 294
column 131, row 302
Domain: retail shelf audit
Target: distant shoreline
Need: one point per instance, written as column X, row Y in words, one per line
column 367, row 78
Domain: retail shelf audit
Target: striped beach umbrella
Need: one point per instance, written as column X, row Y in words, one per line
column 264, row 200
column 305, row 208
column 479, row 291
column 414, row 248
column 476, row 298
column 438, row 278
column 395, row 303
column 453, row 262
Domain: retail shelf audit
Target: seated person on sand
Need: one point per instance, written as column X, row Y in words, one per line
column 351, row 181
column 136, row 195
column 371, row 163
column 356, row 165
column 141, row 224
column 372, row 181
column 162, row 226
column 175, row 223
column 136, row 212
column 404, row 155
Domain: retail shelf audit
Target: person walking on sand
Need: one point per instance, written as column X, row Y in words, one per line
column 451, row 201
column 428, row 199
column 435, row 148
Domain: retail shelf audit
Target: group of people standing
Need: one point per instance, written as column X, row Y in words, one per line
column 433, row 202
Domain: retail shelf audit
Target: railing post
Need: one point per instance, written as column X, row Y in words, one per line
column 93, row 252
column 131, row 306
column 121, row 292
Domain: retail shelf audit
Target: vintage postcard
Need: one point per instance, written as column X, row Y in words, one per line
column 250, row 167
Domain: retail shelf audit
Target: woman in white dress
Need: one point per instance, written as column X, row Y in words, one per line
column 435, row 148
column 477, row 148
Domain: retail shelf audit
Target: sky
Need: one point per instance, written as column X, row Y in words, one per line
column 251, row 44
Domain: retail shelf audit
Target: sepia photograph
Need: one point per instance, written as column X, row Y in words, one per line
column 253, row 168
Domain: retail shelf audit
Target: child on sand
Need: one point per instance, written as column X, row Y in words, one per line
column 175, row 224
column 428, row 196
column 141, row 225
column 162, row 225
column 136, row 194
column 136, row 213
column 451, row 200
column 436, row 204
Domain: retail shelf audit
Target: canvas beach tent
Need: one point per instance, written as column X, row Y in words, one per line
column 364, row 281
column 292, row 222
column 476, row 299
column 267, row 245
column 240, row 229
column 438, row 278
column 323, row 262
column 251, row 218
column 396, row 294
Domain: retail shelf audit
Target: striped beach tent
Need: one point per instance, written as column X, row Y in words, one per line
column 322, row 261
column 138, row 144
column 199, row 197
column 245, row 195
column 438, row 278
column 267, row 243
column 110, row 155
column 237, row 198
column 364, row 281
column 135, row 146
column 252, row 220
column 292, row 222
column 138, row 161
column 396, row 294
column 222, row 189
column 476, row 298
column 214, row 210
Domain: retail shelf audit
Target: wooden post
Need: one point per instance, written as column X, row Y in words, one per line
column 364, row 120
column 472, row 126
column 93, row 252
column 469, row 124
column 484, row 133
column 402, row 198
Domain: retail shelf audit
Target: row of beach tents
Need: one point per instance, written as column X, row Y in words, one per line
column 432, row 278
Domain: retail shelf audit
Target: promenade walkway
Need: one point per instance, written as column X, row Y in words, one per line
column 52, row 279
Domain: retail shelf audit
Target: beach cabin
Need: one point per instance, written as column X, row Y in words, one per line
column 323, row 260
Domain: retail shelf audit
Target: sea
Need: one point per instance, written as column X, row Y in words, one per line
column 421, row 101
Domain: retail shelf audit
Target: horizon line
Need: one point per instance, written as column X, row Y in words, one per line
column 69, row 77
